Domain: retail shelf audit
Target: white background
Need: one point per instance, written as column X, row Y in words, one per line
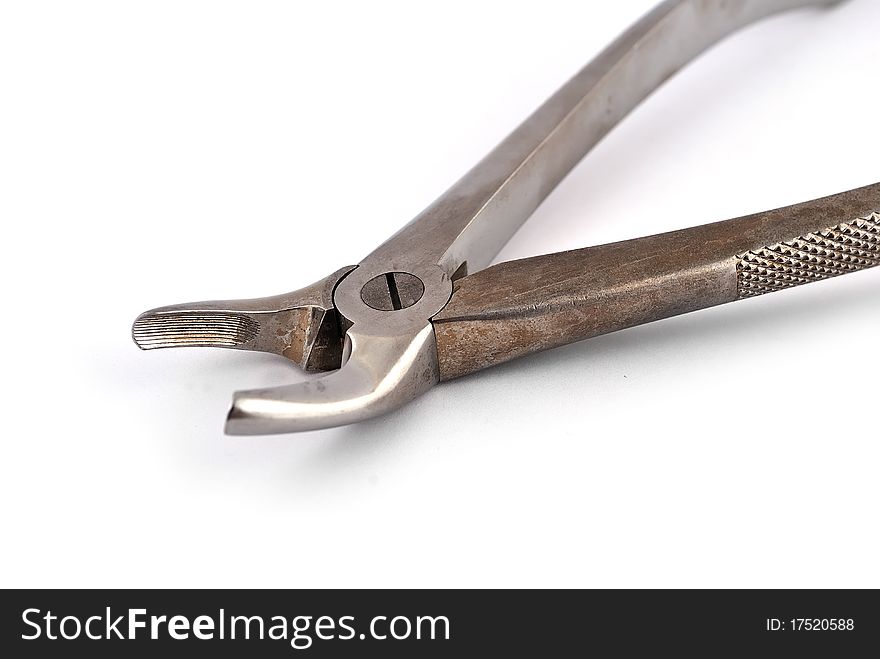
column 160, row 152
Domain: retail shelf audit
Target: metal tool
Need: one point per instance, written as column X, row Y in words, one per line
column 425, row 307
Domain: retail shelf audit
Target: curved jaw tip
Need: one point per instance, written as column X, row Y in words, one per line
column 239, row 420
column 272, row 412
column 299, row 325
column 171, row 327
column 382, row 375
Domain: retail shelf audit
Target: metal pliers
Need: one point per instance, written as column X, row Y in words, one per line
column 425, row 307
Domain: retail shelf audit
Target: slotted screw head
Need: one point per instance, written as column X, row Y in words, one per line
column 392, row 291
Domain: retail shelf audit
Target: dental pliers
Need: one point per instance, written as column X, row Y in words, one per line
column 425, row 306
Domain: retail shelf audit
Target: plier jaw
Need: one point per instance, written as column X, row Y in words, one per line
column 372, row 328
column 301, row 326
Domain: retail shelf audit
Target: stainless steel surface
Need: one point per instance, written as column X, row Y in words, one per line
column 386, row 304
column 381, row 374
column 529, row 305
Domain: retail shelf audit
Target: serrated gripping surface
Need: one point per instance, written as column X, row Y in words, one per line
column 840, row 249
